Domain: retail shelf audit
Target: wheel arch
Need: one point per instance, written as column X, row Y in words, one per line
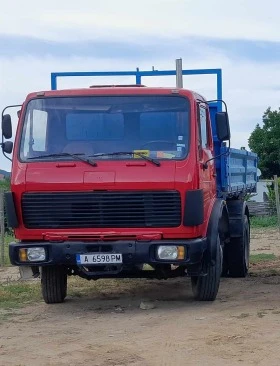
column 218, row 225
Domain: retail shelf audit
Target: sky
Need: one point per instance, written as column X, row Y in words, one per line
column 241, row 37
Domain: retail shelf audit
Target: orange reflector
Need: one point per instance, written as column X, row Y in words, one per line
column 23, row 255
column 181, row 252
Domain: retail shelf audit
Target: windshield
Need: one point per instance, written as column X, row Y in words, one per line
column 154, row 126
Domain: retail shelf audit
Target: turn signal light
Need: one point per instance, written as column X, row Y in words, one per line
column 23, row 255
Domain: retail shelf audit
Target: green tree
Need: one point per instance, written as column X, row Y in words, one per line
column 265, row 141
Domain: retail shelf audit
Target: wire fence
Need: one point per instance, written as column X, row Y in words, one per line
column 5, row 231
column 2, row 227
column 277, row 203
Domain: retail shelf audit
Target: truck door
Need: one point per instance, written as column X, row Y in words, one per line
column 205, row 152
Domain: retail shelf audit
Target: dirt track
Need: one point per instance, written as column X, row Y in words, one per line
column 242, row 327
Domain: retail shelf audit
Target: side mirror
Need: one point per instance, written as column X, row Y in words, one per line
column 7, row 147
column 222, row 126
column 7, row 126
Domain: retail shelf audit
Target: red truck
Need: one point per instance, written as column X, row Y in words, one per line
column 106, row 179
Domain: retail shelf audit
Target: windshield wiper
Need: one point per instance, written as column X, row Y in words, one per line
column 75, row 156
column 147, row 158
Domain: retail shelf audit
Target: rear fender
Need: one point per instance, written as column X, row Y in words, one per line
column 237, row 209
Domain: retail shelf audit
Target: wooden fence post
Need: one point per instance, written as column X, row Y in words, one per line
column 277, row 199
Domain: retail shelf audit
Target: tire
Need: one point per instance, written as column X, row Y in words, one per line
column 54, row 284
column 205, row 288
column 225, row 262
column 238, row 253
column 225, row 265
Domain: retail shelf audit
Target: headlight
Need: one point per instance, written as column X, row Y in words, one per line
column 171, row 252
column 36, row 254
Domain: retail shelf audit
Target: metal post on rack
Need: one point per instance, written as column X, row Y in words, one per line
column 179, row 73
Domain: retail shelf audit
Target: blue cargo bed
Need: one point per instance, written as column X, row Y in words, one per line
column 238, row 171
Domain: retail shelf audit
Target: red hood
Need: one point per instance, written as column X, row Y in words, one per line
column 113, row 175
column 65, row 176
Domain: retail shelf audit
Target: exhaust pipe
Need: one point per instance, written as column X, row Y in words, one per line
column 179, row 73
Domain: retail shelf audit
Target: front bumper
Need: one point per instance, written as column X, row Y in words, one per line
column 133, row 252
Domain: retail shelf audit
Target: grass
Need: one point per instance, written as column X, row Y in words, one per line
column 8, row 240
column 263, row 221
column 259, row 258
column 15, row 295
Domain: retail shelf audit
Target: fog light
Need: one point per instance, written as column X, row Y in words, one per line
column 36, row 254
column 171, row 252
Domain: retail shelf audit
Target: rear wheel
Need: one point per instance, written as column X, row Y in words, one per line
column 54, row 284
column 205, row 288
column 238, row 252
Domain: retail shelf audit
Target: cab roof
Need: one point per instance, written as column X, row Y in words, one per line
column 114, row 90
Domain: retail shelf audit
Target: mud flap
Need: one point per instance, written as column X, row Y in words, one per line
column 28, row 273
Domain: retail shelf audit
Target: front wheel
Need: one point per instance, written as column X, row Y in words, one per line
column 205, row 288
column 54, row 284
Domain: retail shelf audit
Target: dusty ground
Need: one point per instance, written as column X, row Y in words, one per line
column 242, row 327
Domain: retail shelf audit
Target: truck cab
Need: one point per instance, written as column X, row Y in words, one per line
column 107, row 180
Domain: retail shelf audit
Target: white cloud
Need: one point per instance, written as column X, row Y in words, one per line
column 91, row 19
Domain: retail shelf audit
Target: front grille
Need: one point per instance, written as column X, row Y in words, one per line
column 106, row 209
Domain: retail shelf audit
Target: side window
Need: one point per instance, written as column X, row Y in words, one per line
column 40, row 119
column 26, row 134
column 203, row 127
column 36, row 132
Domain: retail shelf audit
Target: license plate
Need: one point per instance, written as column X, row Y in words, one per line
column 100, row 258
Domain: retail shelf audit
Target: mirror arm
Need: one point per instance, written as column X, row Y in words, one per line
column 1, row 144
column 10, row 106
column 205, row 164
column 218, row 100
column 3, row 152
column 6, row 156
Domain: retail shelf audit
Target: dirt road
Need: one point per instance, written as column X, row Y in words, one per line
column 107, row 327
